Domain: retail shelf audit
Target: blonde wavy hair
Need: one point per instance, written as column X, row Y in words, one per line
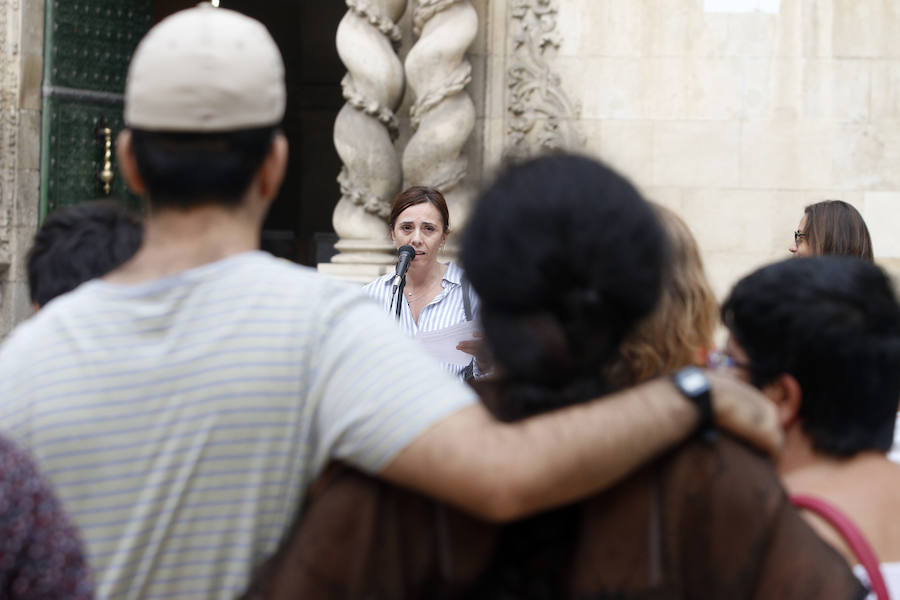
column 680, row 329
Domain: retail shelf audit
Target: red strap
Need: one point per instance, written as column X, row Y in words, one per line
column 852, row 535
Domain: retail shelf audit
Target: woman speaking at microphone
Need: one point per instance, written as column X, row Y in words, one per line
column 436, row 295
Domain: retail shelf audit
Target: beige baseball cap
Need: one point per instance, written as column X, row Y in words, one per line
column 205, row 69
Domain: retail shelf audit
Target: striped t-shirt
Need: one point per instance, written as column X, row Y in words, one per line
column 447, row 308
column 181, row 421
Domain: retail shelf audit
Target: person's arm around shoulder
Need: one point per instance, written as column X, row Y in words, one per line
column 503, row 471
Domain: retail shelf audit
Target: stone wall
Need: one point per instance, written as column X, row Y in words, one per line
column 20, row 107
column 737, row 120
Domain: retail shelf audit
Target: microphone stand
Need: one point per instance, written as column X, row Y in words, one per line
column 397, row 296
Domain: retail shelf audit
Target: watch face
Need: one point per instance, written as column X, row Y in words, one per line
column 693, row 381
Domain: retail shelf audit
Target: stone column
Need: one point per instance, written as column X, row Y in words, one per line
column 21, row 38
column 443, row 114
column 363, row 136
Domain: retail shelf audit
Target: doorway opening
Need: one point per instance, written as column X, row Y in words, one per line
column 299, row 225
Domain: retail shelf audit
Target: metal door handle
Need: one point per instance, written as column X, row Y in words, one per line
column 106, row 174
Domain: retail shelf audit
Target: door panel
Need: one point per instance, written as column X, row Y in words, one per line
column 87, row 47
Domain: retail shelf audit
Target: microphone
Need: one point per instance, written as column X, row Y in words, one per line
column 406, row 253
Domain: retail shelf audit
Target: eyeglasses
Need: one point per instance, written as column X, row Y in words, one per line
column 718, row 360
column 798, row 235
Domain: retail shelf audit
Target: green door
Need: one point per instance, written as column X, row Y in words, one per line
column 87, row 47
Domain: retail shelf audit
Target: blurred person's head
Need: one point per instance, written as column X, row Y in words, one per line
column 203, row 100
column 79, row 243
column 566, row 257
column 821, row 337
column 832, row 227
column 419, row 218
column 679, row 332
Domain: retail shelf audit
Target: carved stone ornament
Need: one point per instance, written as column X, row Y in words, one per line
column 365, row 130
column 370, row 12
column 443, row 114
column 541, row 117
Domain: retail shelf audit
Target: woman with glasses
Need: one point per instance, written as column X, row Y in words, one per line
column 832, row 227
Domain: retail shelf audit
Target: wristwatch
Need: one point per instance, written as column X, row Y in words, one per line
column 694, row 385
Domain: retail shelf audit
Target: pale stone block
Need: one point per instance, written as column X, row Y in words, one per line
column 627, row 146
column 495, row 101
column 752, row 34
column 614, row 28
column 867, row 157
column 742, row 6
column 708, row 34
column 30, row 85
column 715, row 88
column 837, row 89
column 785, row 218
column 666, row 87
column 852, row 90
column 27, row 198
column 670, row 197
column 859, row 28
column 570, row 21
column 725, row 269
column 885, row 89
column 731, row 220
column 882, row 215
column 696, row 153
column 32, row 38
column 789, row 30
column 758, row 75
column 787, row 154
column 609, row 88
column 818, row 29
column 787, row 89
column 669, row 24
column 495, row 28
column 29, row 147
column 773, row 88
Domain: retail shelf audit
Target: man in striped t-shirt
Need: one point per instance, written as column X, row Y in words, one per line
column 182, row 404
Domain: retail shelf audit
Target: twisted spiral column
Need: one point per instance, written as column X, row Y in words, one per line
column 443, row 115
column 364, row 131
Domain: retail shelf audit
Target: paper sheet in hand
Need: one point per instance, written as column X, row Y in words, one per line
column 441, row 344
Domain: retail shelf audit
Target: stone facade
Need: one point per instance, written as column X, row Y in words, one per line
column 21, row 35
column 737, row 120
column 734, row 113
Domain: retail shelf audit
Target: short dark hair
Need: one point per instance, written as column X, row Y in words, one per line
column 566, row 257
column 78, row 243
column 181, row 170
column 419, row 194
column 835, row 227
column 833, row 323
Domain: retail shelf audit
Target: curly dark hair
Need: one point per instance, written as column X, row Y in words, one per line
column 833, row 323
column 78, row 243
column 566, row 257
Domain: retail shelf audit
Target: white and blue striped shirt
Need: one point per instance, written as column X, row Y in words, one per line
column 447, row 308
column 181, row 421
